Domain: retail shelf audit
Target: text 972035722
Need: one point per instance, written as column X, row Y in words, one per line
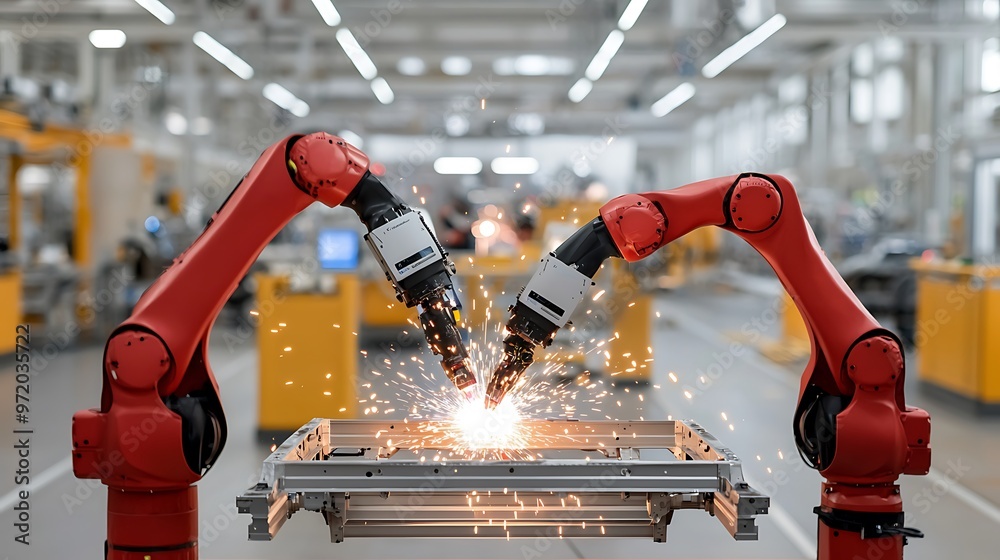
column 22, row 433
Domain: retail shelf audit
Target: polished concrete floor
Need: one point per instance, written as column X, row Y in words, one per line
column 957, row 506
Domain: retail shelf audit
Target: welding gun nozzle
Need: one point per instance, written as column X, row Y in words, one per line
column 518, row 355
column 461, row 375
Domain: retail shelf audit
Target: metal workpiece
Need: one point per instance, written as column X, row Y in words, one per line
column 384, row 478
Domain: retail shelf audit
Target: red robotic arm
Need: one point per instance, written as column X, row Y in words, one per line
column 160, row 425
column 851, row 421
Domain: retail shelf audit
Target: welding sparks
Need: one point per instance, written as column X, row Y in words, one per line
column 456, row 425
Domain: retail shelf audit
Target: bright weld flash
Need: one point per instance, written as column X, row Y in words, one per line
column 476, row 427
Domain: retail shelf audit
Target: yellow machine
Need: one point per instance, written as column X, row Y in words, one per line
column 379, row 306
column 484, row 277
column 794, row 344
column 632, row 312
column 958, row 330
column 573, row 212
column 46, row 145
column 308, row 353
column 10, row 307
column 51, row 144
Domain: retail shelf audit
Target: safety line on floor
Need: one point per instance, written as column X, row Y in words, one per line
column 55, row 472
column 794, row 532
column 712, row 336
column 43, row 479
column 965, row 495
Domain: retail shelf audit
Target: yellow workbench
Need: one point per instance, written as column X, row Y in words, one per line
column 380, row 309
column 10, row 308
column 957, row 332
column 486, row 276
column 308, row 350
column 631, row 312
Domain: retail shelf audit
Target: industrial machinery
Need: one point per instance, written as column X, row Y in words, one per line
column 851, row 422
column 602, row 478
column 160, row 425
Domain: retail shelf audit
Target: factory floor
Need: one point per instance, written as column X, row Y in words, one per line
column 957, row 506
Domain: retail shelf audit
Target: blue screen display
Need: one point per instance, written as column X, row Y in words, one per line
column 337, row 249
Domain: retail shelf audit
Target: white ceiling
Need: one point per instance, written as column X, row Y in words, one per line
column 287, row 42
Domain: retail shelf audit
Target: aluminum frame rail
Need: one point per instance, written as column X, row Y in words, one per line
column 362, row 476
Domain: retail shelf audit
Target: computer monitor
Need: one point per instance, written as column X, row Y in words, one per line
column 338, row 249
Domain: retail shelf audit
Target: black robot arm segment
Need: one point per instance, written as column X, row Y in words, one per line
column 419, row 269
column 547, row 302
column 588, row 248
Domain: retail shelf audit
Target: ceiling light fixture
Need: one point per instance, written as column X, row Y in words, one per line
column 631, row 14
column 456, row 65
column 740, row 48
column 107, row 38
column 158, row 10
column 411, row 66
column 176, row 123
column 458, row 165
column 580, row 90
column 358, row 56
column 219, row 52
column 677, row 97
column 533, row 65
column 382, row 91
column 328, row 12
column 201, row 126
column 604, row 55
column 286, row 100
column 514, row 165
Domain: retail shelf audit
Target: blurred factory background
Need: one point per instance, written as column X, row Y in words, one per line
column 124, row 124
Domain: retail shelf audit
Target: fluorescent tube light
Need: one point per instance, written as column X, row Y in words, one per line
column 740, row 48
column 677, row 97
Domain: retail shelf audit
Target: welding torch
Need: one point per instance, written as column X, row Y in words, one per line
column 547, row 301
column 419, row 270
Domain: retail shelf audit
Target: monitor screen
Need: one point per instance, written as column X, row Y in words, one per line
column 337, row 249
